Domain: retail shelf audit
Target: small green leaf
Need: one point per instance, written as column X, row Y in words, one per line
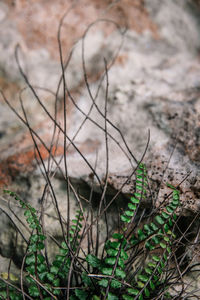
column 132, row 206
column 42, row 237
column 74, row 221
column 14, row 296
column 175, row 196
column 147, row 228
column 155, row 239
column 175, row 202
column 169, row 250
column 151, row 264
column 129, row 213
column 121, row 263
column 56, row 292
column 159, row 220
column 166, row 228
column 134, row 240
column 56, row 282
column 170, row 222
column 134, row 292
column 140, row 284
column 30, row 280
column 112, row 252
column 40, row 246
column 115, row 245
column 135, row 200
column 165, row 256
column 152, row 286
column 162, row 264
column 143, row 278
column 125, row 219
column 41, row 268
column 137, row 195
column 30, row 259
column 115, row 284
column 103, row 283
column 63, row 251
column 82, row 295
column 33, row 291
column 148, row 270
column 117, row 236
column 169, row 209
column 110, row 260
column 155, row 258
column 31, row 269
column 93, row 261
column 60, row 258
column 34, row 238
column 141, row 235
column 155, row 278
column 107, row 271
column 172, row 206
column 32, row 225
column 165, row 215
column 112, row 297
column 87, row 281
column 146, row 291
column 50, row 276
column 42, row 276
column 54, row 270
column 27, row 213
column 163, row 245
column 33, row 210
column 154, row 227
column 120, row 273
column 140, row 182
column 138, row 187
column 166, row 238
column 140, row 177
column 149, row 246
column 40, row 258
column 30, row 219
column 123, row 254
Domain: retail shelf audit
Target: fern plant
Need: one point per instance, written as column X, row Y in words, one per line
column 148, row 280
column 43, row 280
column 115, row 275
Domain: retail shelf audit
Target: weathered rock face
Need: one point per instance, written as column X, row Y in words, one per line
column 154, row 84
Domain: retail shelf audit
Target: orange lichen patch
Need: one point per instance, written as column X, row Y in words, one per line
column 24, row 161
column 38, row 20
column 132, row 14
column 122, row 59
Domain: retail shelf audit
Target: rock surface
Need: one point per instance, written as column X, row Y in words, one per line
column 154, row 84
